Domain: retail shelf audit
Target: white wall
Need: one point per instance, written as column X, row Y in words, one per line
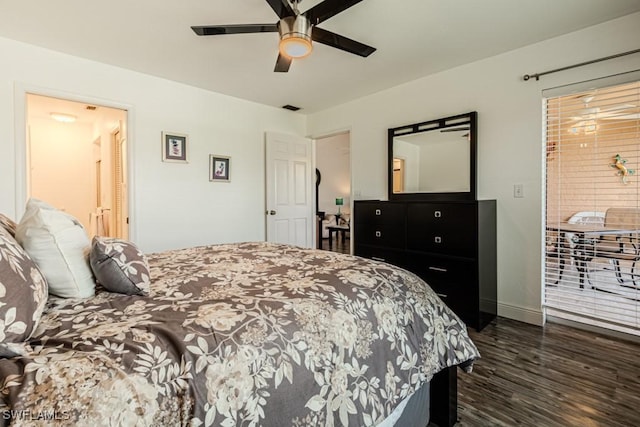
column 174, row 204
column 333, row 160
column 62, row 166
column 509, row 136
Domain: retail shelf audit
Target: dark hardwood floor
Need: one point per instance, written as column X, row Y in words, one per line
column 338, row 246
column 551, row 376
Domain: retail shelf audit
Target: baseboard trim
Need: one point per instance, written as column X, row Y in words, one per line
column 527, row 315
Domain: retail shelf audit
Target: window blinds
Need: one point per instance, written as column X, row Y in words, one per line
column 591, row 253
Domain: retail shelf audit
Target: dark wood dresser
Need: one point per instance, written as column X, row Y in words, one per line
column 449, row 244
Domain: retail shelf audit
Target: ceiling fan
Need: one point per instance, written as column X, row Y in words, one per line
column 297, row 30
column 613, row 112
column 587, row 120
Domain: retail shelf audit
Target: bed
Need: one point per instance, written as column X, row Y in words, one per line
column 247, row 334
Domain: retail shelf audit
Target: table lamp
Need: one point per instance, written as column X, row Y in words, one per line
column 339, row 202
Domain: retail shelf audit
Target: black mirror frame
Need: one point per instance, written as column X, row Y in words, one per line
column 470, row 119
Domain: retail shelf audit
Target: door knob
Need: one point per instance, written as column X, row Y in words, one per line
column 271, row 212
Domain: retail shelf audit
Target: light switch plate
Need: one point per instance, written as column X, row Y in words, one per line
column 518, row 191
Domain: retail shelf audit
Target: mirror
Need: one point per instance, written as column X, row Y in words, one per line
column 434, row 160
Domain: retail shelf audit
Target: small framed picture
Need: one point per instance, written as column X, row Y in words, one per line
column 174, row 147
column 219, row 168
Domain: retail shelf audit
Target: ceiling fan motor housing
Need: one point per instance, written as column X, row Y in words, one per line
column 295, row 36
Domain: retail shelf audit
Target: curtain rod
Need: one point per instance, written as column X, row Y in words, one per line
column 538, row 75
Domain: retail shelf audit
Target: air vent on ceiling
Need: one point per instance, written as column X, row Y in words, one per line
column 290, row 107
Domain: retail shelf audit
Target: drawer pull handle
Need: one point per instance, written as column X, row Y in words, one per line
column 442, row 295
column 378, row 234
column 437, row 214
column 438, row 239
column 378, row 212
column 443, row 270
column 375, row 258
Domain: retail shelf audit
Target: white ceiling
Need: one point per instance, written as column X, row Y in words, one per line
column 413, row 38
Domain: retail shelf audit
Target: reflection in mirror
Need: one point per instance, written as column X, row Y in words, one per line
column 434, row 159
column 398, row 175
column 432, row 162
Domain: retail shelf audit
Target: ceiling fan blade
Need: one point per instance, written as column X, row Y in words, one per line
column 617, row 108
column 341, row 42
column 282, row 64
column 214, row 30
column 631, row 116
column 281, row 8
column 328, row 8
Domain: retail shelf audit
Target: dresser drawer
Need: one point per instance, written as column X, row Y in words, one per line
column 454, row 281
column 459, row 216
column 441, row 272
column 380, row 213
column 376, row 253
column 388, row 235
column 446, row 228
column 462, row 304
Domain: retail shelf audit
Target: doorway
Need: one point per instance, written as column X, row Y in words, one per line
column 398, row 175
column 76, row 161
column 333, row 163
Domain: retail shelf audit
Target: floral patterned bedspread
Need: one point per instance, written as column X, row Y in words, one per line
column 250, row 334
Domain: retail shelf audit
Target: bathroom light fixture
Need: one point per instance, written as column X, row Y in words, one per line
column 295, row 36
column 63, row 117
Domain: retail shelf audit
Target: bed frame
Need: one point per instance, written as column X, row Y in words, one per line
column 444, row 398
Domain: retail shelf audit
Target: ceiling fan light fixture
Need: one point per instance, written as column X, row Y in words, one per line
column 295, row 36
column 295, row 47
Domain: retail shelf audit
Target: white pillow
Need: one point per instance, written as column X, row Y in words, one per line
column 59, row 245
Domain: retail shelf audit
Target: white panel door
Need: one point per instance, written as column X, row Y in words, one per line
column 290, row 198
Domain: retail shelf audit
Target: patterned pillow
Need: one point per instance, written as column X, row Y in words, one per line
column 8, row 224
column 119, row 266
column 23, row 295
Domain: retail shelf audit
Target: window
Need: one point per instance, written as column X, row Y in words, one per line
column 592, row 237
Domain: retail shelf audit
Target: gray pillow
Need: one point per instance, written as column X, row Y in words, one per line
column 119, row 266
column 23, row 295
